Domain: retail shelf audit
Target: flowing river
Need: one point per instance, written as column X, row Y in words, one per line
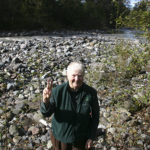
column 126, row 34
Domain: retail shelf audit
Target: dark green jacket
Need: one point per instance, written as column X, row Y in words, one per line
column 70, row 124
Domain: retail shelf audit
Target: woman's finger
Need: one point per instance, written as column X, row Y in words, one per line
column 48, row 84
column 51, row 84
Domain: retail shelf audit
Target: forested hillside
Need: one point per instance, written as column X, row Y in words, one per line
column 60, row 14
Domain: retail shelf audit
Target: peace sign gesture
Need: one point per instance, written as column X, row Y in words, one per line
column 47, row 91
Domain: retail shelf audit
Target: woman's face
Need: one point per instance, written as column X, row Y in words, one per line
column 75, row 78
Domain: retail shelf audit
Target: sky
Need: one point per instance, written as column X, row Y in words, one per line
column 133, row 2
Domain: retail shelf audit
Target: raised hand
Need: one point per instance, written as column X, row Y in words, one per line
column 89, row 144
column 47, row 91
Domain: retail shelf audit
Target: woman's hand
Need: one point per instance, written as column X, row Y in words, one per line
column 47, row 91
column 89, row 144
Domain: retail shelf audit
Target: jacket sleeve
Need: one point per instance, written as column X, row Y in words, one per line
column 48, row 109
column 95, row 117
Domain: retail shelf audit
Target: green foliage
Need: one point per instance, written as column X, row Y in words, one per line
column 37, row 98
column 138, row 18
column 71, row 14
column 130, row 60
column 142, row 94
column 129, row 63
column 140, row 6
column 95, row 73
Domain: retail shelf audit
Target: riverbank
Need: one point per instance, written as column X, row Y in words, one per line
column 27, row 62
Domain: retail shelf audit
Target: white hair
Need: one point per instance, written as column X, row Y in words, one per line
column 77, row 65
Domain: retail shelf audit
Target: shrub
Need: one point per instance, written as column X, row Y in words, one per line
column 117, row 72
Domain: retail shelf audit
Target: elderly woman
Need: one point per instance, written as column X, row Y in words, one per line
column 76, row 111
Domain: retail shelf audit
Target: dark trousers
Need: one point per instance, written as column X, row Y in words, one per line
column 57, row 145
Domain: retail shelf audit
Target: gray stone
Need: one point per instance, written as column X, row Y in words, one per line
column 17, row 148
column 104, row 121
column 16, row 60
column 43, row 138
column 34, row 130
column 145, row 137
column 47, row 74
column 16, row 111
column 11, row 86
column 1, row 111
column 134, row 148
column 19, row 67
column 111, row 130
column 37, row 141
column 113, row 148
column 21, row 106
column 30, row 145
column 23, row 46
column 37, row 116
column 15, row 92
column 40, row 148
column 16, row 139
column 37, row 91
column 13, row 130
column 2, row 64
column 49, row 144
column 21, row 96
column 2, row 123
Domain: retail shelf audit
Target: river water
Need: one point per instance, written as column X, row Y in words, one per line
column 126, row 34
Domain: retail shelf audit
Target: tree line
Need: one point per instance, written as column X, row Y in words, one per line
column 60, row 14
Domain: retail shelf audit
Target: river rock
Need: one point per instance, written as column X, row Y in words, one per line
column 49, row 144
column 16, row 60
column 26, row 64
column 16, row 139
column 11, row 86
column 13, row 130
column 37, row 116
column 1, row 111
column 34, row 130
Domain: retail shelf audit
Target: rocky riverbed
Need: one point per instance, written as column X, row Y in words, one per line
column 25, row 64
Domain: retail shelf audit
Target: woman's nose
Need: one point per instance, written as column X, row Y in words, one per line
column 76, row 78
